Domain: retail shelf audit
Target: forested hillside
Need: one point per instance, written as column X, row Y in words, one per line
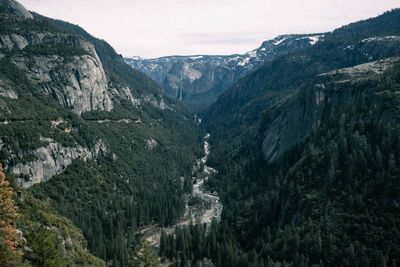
column 94, row 157
column 307, row 158
column 80, row 132
column 321, row 201
column 237, row 112
column 330, row 202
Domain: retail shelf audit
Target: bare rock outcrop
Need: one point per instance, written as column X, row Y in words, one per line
column 16, row 9
column 54, row 159
column 6, row 89
column 76, row 81
column 295, row 118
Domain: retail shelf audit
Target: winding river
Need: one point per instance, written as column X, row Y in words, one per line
column 209, row 208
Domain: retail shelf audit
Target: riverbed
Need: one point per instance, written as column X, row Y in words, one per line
column 209, row 209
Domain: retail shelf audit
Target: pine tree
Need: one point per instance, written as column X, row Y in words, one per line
column 43, row 250
column 380, row 260
column 8, row 214
column 163, row 243
column 144, row 256
column 378, row 159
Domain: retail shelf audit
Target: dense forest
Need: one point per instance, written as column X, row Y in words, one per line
column 106, row 198
column 333, row 202
column 238, row 111
column 331, row 199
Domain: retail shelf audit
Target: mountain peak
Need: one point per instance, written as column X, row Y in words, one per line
column 16, row 9
column 136, row 58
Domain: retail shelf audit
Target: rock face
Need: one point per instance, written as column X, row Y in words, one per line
column 295, row 118
column 61, row 61
column 6, row 89
column 77, row 80
column 16, row 9
column 156, row 101
column 54, row 159
column 124, row 92
column 62, row 65
column 198, row 80
column 81, row 84
column 151, row 144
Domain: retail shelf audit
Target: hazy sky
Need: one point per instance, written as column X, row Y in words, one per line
column 153, row 28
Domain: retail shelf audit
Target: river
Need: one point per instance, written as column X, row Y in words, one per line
column 208, row 205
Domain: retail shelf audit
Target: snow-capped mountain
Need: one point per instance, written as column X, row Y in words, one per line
column 197, row 80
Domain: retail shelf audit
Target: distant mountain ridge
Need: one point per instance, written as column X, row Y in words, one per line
column 307, row 148
column 197, row 80
column 305, row 145
column 241, row 107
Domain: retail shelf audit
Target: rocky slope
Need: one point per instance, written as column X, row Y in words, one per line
column 198, row 80
column 65, row 67
column 321, row 167
column 54, row 159
column 307, row 151
column 78, row 126
column 15, row 8
column 76, row 79
column 238, row 111
column 300, row 114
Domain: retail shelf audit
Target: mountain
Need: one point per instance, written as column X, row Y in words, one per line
column 329, row 199
column 79, row 133
column 237, row 113
column 307, row 148
column 322, row 202
column 198, row 80
column 294, row 120
column 303, row 151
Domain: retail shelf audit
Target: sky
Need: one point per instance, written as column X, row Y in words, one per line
column 154, row 28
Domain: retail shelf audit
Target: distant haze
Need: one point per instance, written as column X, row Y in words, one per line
column 154, row 28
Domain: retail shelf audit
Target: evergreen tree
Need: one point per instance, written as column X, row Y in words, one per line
column 43, row 251
column 378, row 159
column 144, row 256
column 163, row 243
column 8, row 214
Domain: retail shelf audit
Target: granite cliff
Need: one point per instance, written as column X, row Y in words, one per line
column 198, row 80
column 294, row 119
column 52, row 61
column 80, row 131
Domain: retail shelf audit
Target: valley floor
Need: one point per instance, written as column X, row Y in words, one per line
column 207, row 208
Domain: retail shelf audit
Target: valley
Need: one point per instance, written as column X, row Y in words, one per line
column 208, row 206
column 286, row 155
column 198, row 80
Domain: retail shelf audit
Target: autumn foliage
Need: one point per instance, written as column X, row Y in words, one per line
column 8, row 214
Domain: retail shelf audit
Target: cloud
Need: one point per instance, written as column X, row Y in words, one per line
column 152, row 28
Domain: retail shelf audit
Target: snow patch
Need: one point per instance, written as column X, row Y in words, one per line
column 252, row 53
column 278, row 42
column 196, row 57
column 382, row 38
column 315, row 39
column 233, row 59
column 244, row 61
column 312, row 39
column 135, row 58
